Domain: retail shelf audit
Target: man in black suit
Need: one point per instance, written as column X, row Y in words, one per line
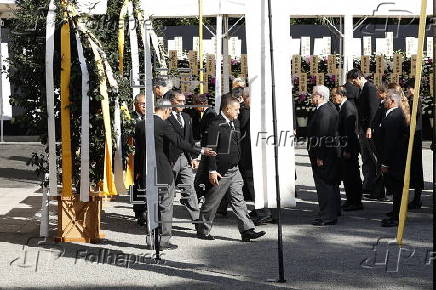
column 163, row 133
column 353, row 92
column 322, row 146
column 224, row 175
column 349, row 158
column 138, row 115
column 367, row 106
column 183, row 161
column 392, row 147
column 162, row 87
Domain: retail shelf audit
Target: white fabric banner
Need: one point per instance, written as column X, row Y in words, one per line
column 430, row 47
column 380, row 46
column 357, row 47
column 49, row 86
column 84, row 137
column 134, row 50
column 6, row 110
column 318, row 46
column 367, row 48
column 411, row 46
column 151, row 188
column 295, row 46
column 305, row 46
column 261, row 127
column 389, row 44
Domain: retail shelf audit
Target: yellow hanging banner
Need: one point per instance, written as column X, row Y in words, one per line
column 108, row 178
column 128, row 177
column 121, row 40
column 67, row 165
column 418, row 72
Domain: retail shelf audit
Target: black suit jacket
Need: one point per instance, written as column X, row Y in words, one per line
column 322, row 142
column 392, row 144
column 171, row 150
column 244, row 121
column 225, row 142
column 208, row 116
column 163, row 133
column 353, row 93
column 367, row 105
column 347, row 128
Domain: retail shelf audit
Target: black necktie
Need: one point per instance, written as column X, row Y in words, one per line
column 179, row 119
column 338, row 108
column 231, row 125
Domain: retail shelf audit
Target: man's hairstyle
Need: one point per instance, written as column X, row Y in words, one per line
column 171, row 95
column 138, row 96
column 410, row 83
column 200, row 99
column 162, row 104
column 340, row 91
column 162, row 82
column 323, row 91
column 227, row 100
column 354, row 74
column 395, row 96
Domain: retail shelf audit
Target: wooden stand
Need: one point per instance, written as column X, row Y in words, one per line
column 79, row 221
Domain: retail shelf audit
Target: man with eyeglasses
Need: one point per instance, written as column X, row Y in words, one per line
column 183, row 162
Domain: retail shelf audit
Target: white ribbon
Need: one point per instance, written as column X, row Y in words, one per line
column 84, row 138
column 49, row 84
column 133, row 36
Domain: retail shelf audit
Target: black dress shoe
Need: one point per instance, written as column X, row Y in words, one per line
column 371, row 196
column 390, row 214
column 319, row 222
column 389, row 222
column 251, row 235
column 168, row 246
column 262, row 220
column 346, row 204
column 415, row 204
column 205, row 237
column 382, row 199
column 353, row 207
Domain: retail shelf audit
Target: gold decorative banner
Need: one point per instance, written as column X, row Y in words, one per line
column 331, row 64
column 172, row 65
column 244, row 65
column 314, row 64
column 395, row 78
column 378, row 79
column 413, row 65
column 365, row 64
column 121, row 27
column 67, row 165
column 205, row 83
column 338, row 76
column 380, row 64
column 398, row 63
column 193, row 61
column 302, row 82
column 319, row 79
column 108, row 178
column 211, row 65
column 185, row 83
column 296, row 64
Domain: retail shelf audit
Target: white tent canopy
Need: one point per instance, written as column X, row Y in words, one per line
column 310, row 8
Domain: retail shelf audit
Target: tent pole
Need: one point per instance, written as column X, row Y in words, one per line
column 200, row 6
column 434, row 108
column 226, row 68
column 218, row 61
column 276, row 152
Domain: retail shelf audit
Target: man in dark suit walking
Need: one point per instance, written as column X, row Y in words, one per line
column 349, row 151
column 367, row 107
column 163, row 133
column 322, row 146
column 392, row 147
column 353, row 92
column 182, row 161
column 224, row 175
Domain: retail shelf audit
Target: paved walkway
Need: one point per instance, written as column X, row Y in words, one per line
column 350, row 255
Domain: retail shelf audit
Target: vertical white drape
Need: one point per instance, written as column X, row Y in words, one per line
column 49, row 84
column 261, row 122
column 84, row 137
column 134, row 50
column 348, row 46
